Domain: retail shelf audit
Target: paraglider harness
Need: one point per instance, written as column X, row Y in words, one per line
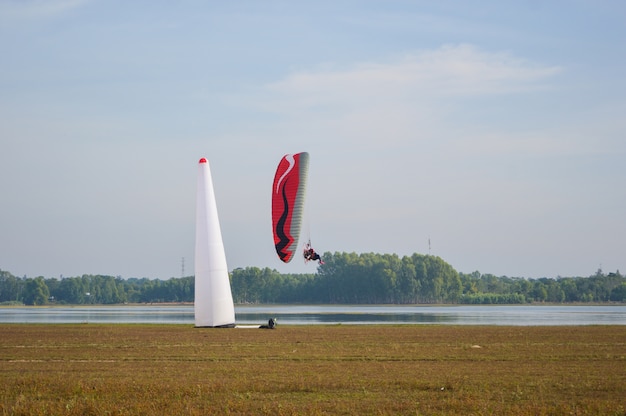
column 310, row 254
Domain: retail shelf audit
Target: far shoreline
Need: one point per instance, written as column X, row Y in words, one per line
column 434, row 305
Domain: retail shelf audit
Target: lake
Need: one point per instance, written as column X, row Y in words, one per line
column 522, row 315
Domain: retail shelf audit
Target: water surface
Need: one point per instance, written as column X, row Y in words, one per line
column 329, row 314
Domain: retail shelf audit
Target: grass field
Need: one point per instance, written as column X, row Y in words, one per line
column 115, row 369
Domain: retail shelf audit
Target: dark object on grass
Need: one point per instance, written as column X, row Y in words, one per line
column 271, row 324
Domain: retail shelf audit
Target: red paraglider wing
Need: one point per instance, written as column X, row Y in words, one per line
column 288, row 203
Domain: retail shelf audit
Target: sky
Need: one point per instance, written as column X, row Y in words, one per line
column 489, row 133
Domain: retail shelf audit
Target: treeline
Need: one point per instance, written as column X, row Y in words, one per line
column 344, row 278
column 93, row 289
column 418, row 279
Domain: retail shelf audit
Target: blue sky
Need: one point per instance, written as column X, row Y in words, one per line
column 495, row 130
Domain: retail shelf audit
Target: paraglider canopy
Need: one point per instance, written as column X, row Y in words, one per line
column 288, row 192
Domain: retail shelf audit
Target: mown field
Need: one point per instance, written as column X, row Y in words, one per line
column 115, row 369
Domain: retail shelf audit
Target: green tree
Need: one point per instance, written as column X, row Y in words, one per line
column 407, row 286
column 618, row 294
column 36, row 292
column 539, row 292
column 10, row 287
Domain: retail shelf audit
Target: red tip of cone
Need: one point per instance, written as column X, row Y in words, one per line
column 203, row 160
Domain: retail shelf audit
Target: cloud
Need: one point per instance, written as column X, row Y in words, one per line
column 407, row 98
column 452, row 70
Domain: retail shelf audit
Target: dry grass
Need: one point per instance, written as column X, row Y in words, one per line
column 412, row 369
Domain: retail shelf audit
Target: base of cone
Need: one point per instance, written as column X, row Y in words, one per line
column 218, row 326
